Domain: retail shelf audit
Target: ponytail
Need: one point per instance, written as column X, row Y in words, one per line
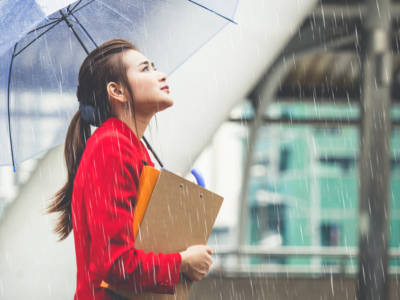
column 77, row 135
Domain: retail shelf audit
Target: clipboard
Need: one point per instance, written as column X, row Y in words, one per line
column 171, row 214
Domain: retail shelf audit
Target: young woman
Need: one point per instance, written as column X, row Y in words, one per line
column 119, row 91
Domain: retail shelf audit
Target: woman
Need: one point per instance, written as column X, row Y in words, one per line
column 119, row 91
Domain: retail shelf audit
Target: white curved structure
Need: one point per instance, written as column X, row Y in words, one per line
column 32, row 264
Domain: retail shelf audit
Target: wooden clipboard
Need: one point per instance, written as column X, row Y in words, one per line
column 171, row 214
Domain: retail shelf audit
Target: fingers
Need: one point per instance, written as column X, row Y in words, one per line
column 208, row 258
column 198, row 260
column 200, row 274
column 201, row 270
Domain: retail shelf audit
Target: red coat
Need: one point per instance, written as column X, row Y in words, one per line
column 103, row 200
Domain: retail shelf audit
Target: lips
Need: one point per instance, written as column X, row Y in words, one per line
column 165, row 88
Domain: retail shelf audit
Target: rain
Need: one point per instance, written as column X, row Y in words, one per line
column 254, row 154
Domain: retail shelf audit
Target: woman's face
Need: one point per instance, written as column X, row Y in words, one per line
column 147, row 83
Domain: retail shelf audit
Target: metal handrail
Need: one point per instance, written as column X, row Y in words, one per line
column 288, row 270
column 350, row 252
column 342, row 253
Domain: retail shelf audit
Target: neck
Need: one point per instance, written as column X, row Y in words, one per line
column 139, row 127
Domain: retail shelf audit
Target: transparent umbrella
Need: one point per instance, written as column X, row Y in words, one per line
column 43, row 43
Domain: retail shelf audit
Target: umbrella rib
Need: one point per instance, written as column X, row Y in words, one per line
column 213, row 11
column 40, row 35
column 8, row 107
column 79, row 2
column 84, row 29
column 64, row 17
column 43, row 26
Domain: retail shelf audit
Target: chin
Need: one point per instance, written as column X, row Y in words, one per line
column 165, row 104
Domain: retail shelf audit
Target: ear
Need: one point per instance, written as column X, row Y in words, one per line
column 116, row 92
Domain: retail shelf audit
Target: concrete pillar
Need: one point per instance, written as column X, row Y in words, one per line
column 375, row 152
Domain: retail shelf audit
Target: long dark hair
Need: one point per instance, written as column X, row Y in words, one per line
column 101, row 66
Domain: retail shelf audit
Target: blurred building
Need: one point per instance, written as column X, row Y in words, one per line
column 305, row 181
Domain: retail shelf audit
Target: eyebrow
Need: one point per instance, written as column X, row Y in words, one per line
column 146, row 62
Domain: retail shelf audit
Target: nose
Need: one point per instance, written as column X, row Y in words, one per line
column 163, row 77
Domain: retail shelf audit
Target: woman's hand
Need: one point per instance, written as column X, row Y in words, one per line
column 196, row 261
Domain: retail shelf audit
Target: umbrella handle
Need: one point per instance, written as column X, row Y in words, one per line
column 199, row 178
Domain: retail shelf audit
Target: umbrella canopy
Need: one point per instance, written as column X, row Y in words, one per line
column 44, row 43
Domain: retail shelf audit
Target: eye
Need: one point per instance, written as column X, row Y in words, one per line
column 147, row 68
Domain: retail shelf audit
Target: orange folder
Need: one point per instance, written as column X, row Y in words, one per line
column 147, row 181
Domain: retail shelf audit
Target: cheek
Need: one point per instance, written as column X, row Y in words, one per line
column 142, row 88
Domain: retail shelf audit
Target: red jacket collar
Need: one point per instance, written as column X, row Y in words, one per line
column 118, row 125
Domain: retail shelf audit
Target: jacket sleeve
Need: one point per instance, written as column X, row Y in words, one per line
column 109, row 205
